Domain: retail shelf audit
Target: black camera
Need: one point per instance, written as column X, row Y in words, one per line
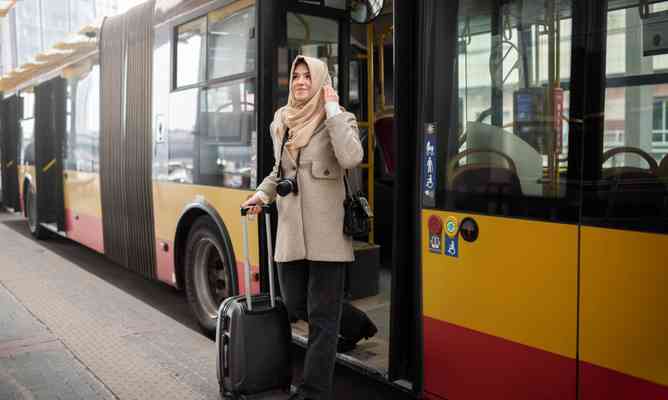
column 285, row 186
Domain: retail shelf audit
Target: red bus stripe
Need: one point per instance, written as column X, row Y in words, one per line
column 460, row 363
column 597, row 382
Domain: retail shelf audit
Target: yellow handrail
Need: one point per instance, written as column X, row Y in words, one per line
column 371, row 134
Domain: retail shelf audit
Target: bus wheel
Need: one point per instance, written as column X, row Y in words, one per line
column 30, row 205
column 208, row 274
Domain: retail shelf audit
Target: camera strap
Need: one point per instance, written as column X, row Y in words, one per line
column 280, row 157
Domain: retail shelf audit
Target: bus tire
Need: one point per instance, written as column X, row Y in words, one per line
column 30, row 205
column 208, row 278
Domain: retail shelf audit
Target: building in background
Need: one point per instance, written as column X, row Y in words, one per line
column 33, row 26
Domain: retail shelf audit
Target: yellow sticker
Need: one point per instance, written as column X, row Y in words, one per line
column 451, row 226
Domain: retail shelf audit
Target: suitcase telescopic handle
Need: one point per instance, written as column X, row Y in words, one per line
column 270, row 258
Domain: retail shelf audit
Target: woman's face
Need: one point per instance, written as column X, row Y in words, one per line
column 301, row 82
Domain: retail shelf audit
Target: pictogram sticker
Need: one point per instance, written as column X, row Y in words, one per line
column 435, row 234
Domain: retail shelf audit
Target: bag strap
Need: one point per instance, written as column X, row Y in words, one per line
column 346, row 184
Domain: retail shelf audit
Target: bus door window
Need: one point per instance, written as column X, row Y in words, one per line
column 27, row 127
column 628, row 190
column 507, row 151
column 499, row 211
column 309, row 36
column 82, row 120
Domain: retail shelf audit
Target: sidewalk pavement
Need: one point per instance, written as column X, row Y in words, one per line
column 35, row 363
column 70, row 330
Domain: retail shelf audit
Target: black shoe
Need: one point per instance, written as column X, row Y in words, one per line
column 345, row 345
column 355, row 326
column 298, row 396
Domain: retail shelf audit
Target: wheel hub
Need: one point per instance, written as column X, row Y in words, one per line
column 211, row 276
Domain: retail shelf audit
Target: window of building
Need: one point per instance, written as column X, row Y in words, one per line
column 660, row 122
column 83, row 12
column 55, row 22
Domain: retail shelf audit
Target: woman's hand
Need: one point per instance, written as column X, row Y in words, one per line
column 329, row 94
column 253, row 204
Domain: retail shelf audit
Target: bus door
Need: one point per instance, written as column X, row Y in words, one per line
column 323, row 30
column 499, row 199
column 10, row 184
column 49, row 132
column 623, row 322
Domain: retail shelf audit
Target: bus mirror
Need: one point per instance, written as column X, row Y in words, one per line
column 365, row 11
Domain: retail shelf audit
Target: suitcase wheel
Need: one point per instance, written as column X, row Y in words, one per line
column 228, row 396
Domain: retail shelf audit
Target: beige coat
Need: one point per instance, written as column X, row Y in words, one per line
column 310, row 224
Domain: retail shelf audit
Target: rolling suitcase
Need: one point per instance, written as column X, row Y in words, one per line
column 253, row 336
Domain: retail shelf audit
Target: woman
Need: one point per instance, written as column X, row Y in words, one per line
column 315, row 141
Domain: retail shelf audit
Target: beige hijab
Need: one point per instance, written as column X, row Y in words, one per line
column 302, row 118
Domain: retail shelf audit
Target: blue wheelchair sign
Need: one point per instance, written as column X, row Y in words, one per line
column 452, row 246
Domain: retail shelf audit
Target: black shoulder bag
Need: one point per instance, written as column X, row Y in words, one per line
column 357, row 213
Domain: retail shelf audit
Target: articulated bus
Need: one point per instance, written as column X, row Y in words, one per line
column 516, row 164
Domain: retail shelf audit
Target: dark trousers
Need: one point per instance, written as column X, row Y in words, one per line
column 313, row 292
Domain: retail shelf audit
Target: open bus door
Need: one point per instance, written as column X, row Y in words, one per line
column 49, row 137
column 10, row 127
column 323, row 29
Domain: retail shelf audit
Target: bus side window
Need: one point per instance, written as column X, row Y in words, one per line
column 227, row 130
column 230, row 43
column 190, row 52
column 212, row 133
column 630, row 190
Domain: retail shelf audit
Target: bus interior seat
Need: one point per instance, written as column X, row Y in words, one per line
column 498, row 183
column 229, row 127
column 381, row 166
column 385, row 138
column 384, row 167
column 632, row 191
column 528, row 161
column 662, row 170
column 629, row 172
